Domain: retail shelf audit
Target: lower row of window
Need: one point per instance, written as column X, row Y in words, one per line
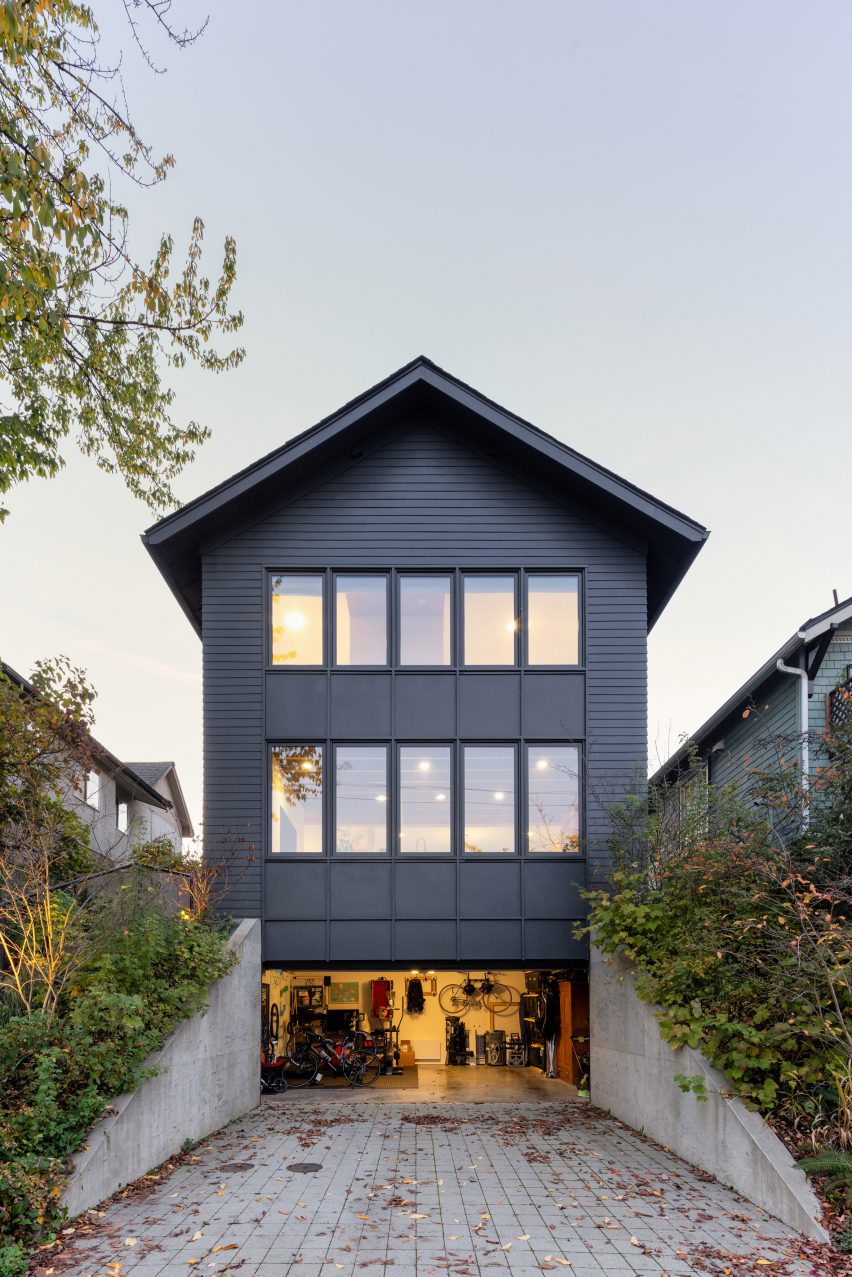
column 355, row 811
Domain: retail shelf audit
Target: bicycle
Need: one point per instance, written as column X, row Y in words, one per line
column 455, row 999
column 354, row 1058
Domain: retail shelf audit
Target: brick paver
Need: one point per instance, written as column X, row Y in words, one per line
column 420, row 1189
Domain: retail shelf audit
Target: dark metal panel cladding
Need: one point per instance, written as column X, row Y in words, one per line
column 425, row 706
column 549, row 941
column 360, row 706
column 554, row 706
column 490, row 888
column 495, row 941
column 360, row 889
column 552, row 886
column 296, row 942
column 426, row 889
column 296, row 889
column 367, row 942
column 437, row 938
column 296, row 706
column 489, row 705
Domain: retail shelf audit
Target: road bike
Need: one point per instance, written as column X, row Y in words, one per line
column 310, row 1055
column 456, row 999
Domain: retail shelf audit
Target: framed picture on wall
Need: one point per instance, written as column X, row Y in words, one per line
column 344, row 993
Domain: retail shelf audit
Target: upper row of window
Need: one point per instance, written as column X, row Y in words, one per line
column 501, row 624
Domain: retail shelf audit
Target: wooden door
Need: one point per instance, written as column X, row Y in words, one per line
column 573, row 1022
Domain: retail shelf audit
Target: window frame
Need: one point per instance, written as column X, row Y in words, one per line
column 530, row 574
column 515, row 575
column 572, row 856
column 322, row 575
column 454, row 800
column 386, row 574
column 435, row 574
column 457, row 575
column 517, row 750
column 300, row 857
column 331, row 801
column 94, row 792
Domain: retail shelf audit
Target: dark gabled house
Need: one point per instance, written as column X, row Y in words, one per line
column 780, row 716
column 424, row 626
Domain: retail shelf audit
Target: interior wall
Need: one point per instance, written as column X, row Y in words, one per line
column 426, row 1032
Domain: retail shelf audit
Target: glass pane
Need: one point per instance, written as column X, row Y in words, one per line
column 296, row 799
column 489, row 620
column 425, row 620
column 121, row 817
column 362, row 626
column 489, row 798
column 362, row 797
column 553, row 620
column 93, row 790
column 554, row 798
column 297, row 620
column 425, row 790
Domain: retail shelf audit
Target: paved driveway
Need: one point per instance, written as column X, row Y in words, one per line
column 423, row 1189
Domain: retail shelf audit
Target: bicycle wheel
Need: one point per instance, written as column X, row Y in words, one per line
column 452, row 999
column 360, row 1068
column 301, row 1067
column 500, row 998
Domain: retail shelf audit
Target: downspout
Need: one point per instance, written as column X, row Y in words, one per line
column 804, row 726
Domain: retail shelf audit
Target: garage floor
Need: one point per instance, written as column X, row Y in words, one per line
column 442, row 1084
column 419, row 1189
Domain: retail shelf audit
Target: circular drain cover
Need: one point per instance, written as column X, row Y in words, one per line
column 305, row 1168
column 237, row 1166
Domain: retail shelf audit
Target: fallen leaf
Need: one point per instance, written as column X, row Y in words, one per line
column 523, row 1237
column 131, row 1241
column 197, row 1236
column 634, row 1241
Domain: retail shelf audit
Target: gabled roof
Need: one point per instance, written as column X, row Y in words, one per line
column 673, row 539
column 809, row 632
column 152, row 772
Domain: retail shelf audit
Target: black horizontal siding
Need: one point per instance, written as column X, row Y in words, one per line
column 422, row 500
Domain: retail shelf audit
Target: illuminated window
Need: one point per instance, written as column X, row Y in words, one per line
column 554, row 798
column 121, row 816
column 361, row 618
column 425, row 798
column 489, row 798
column 297, row 620
column 296, row 799
column 361, row 798
column 425, row 620
column 553, row 620
column 490, row 623
column 93, row 790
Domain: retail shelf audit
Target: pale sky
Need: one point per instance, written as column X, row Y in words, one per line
column 629, row 223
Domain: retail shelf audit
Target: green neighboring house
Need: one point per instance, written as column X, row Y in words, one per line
column 781, row 713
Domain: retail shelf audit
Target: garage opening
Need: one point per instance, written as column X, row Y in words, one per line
column 436, row 1031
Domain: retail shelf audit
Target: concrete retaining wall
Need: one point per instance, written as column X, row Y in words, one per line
column 209, row 1074
column 632, row 1076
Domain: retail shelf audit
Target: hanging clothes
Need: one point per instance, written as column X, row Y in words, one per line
column 416, row 1000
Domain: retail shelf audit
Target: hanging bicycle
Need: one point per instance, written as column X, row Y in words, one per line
column 456, row 999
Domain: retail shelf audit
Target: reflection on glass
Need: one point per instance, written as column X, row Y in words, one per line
column 425, row 620
column 554, row 798
column 425, row 798
column 553, row 620
column 297, row 620
column 489, row 798
column 361, row 615
column 296, row 799
column 362, row 793
column 489, row 620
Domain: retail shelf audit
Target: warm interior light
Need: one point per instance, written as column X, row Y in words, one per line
column 430, row 971
column 440, row 798
column 380, row 798
column 511, row 626
column 542, row 764
column 415, row 971
column 425, row 765
column 499, row 795
column 294, row 621
column 307, row 767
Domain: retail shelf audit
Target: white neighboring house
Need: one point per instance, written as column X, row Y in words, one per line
column 123, row 804
column 129, row 803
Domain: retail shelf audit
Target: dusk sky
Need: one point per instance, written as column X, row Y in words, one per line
column 629, row 223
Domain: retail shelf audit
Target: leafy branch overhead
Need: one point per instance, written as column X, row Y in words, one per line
column 85, row 328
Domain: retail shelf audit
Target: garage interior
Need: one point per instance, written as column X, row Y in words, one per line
column 436, row 1028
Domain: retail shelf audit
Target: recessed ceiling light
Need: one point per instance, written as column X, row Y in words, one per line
column 424, row 765
column 381, row 798
column 499, row 795
column 440, row 798
column 542, row 764
column 294, row 621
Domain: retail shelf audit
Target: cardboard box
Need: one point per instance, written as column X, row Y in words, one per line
column 407, row 1057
